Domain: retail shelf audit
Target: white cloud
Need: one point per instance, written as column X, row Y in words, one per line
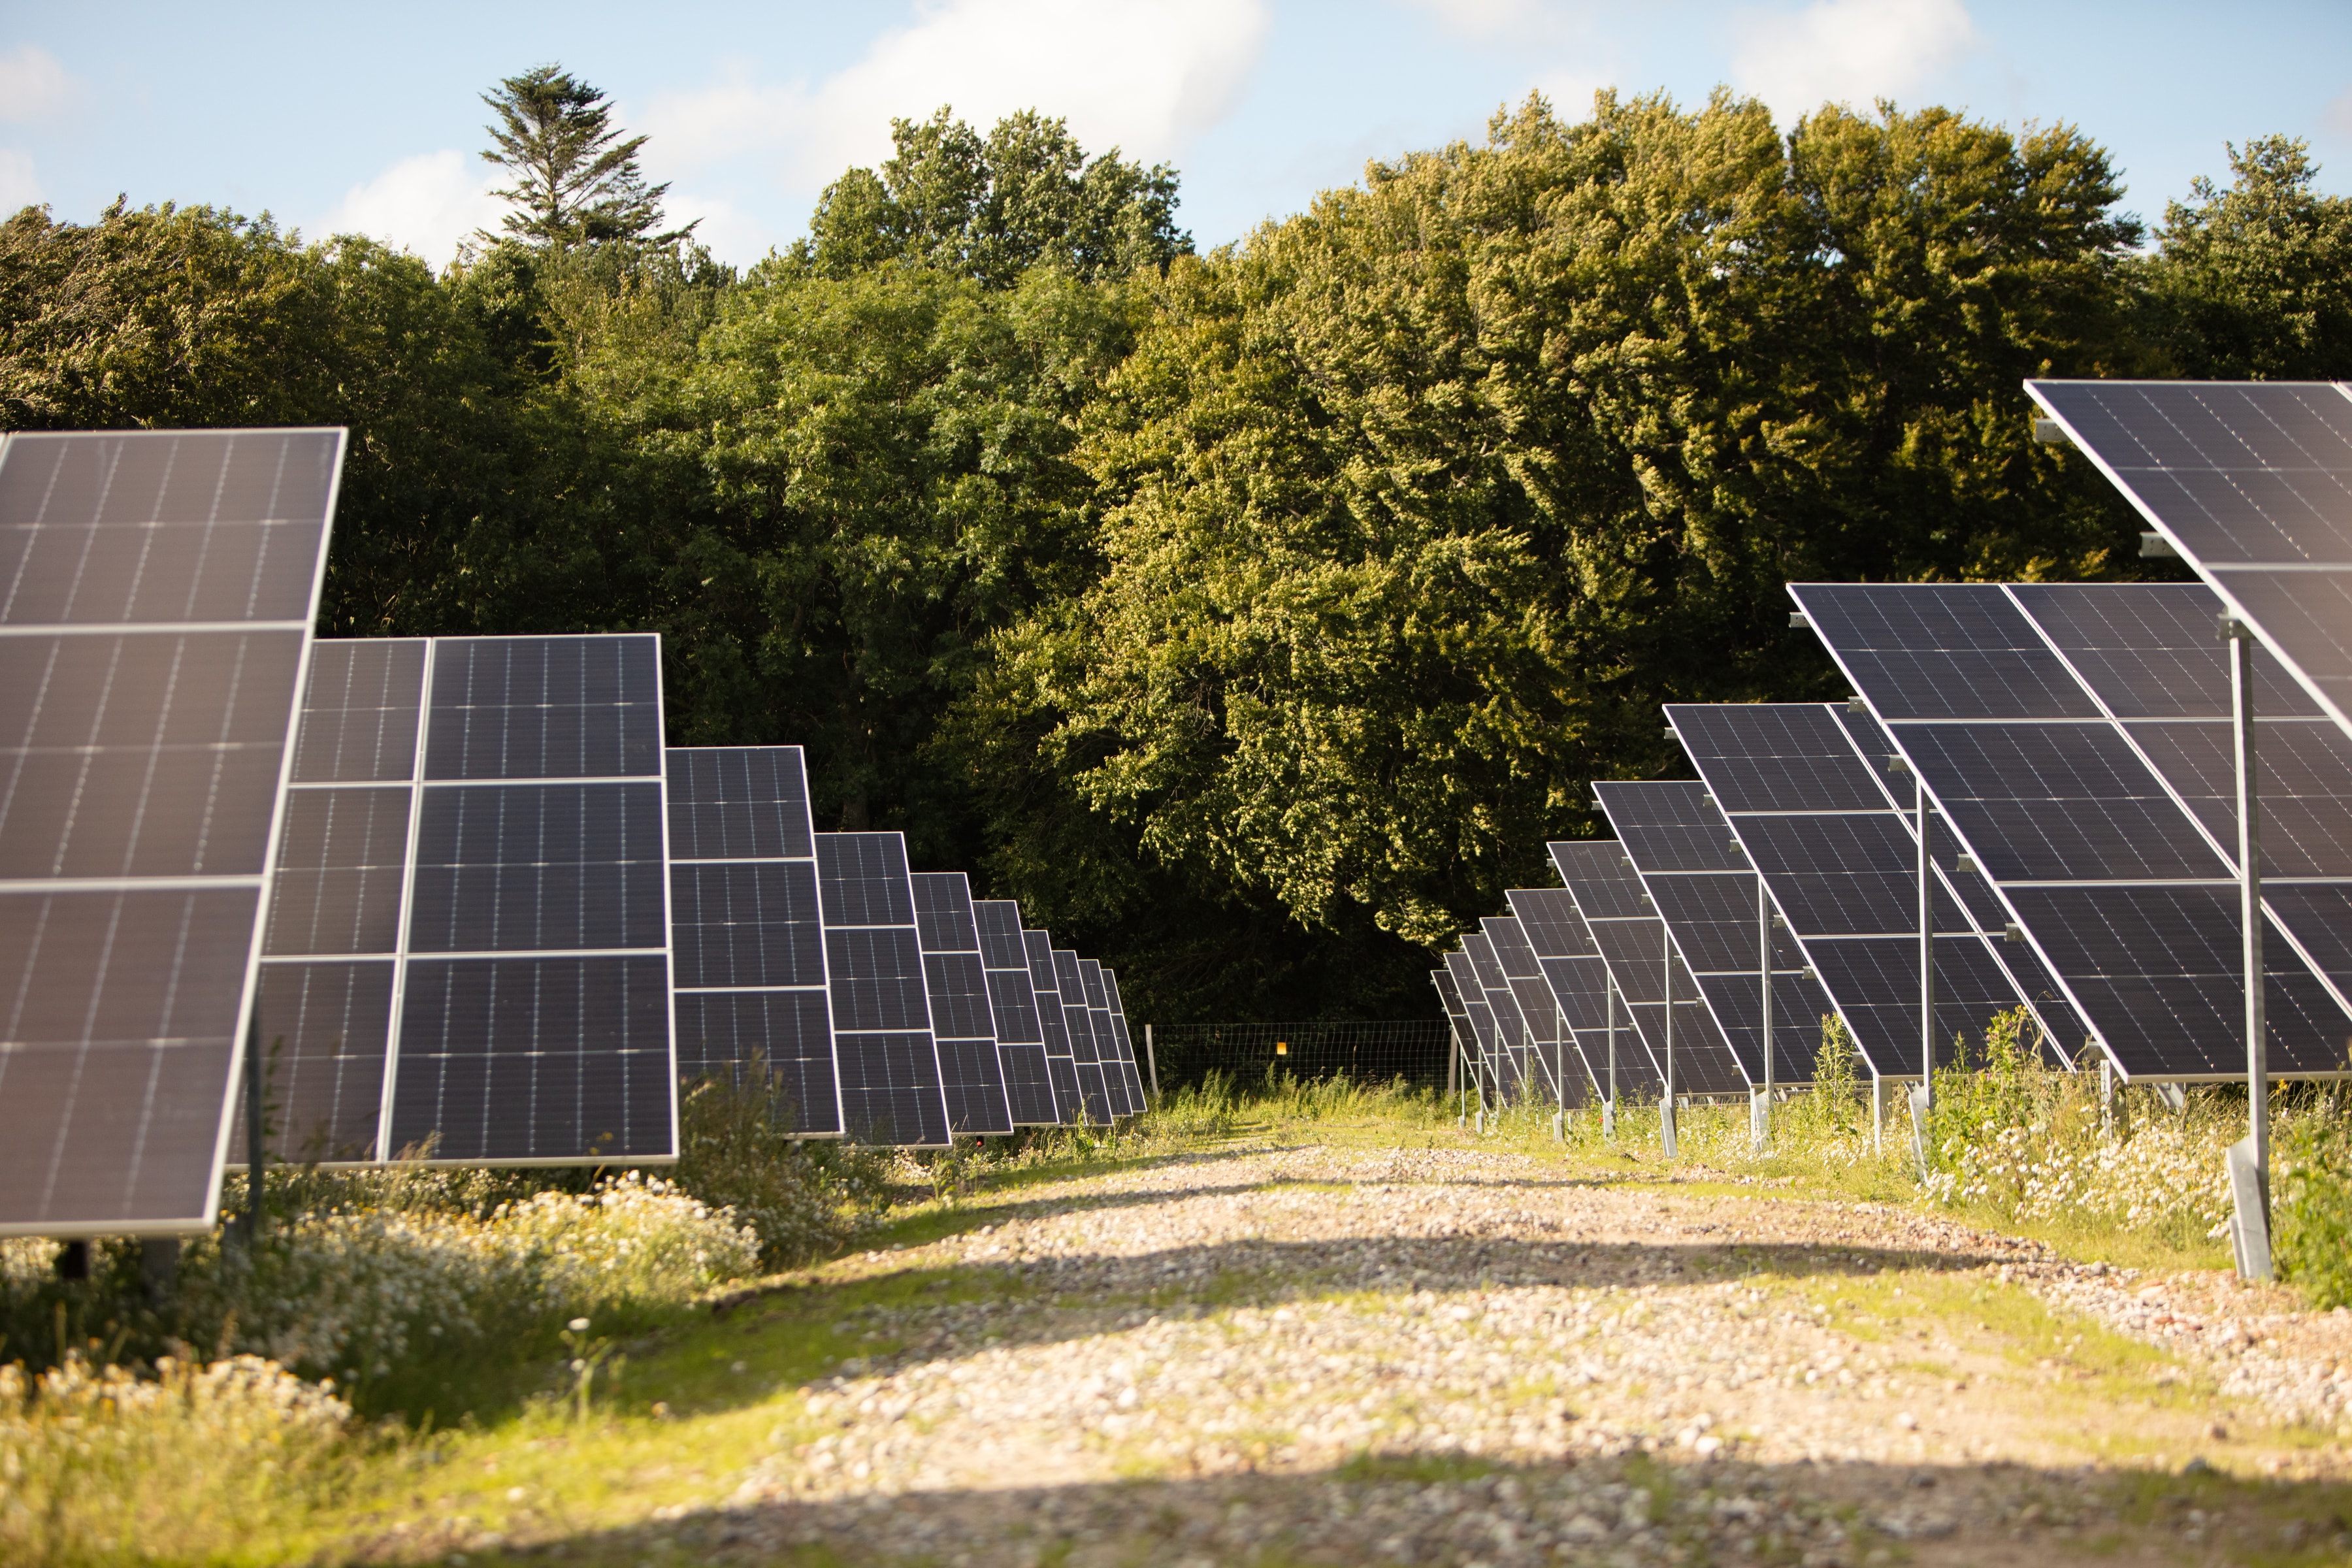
column 1145, row 76
column 19, row 188
column 33, row 85
column 732, row 234
column 429, row 204
column 1508, row 19
column 1847, row 51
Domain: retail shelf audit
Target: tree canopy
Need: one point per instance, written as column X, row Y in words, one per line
column 1252, row 617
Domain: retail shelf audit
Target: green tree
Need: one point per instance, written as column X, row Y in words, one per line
column 576, row 179
column 992, row 208
column 1416, row 507
column 2255, row 282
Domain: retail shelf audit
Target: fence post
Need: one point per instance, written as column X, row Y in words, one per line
column 1152, row 1059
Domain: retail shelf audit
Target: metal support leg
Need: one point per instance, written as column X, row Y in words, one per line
column 1927, row 945
column 1666, row 1104
column 2253, row 1217
column 1762, row 1117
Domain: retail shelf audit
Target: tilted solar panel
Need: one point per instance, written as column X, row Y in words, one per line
column 157, row 591
column 331, row 956
column 1841, row 861
column 1577, row 976
column 1123, row 1033
column 1013, row 999
column 2074, row 804
column 891, row 1093
column 1061, row 1059
column 1121, row 1080
column 2251, row 483
column 1085, row 1050
column 1512, row 1071
column 1703, row 885
column 1557, row 1072
column 963, row 1019
column 1631, row 937
column 748, row 930
column 1480, row 1042
column 533, row 1017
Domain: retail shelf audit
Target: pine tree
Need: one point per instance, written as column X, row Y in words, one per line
column 576, row 181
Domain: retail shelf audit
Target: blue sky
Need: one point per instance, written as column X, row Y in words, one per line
column 367, row 119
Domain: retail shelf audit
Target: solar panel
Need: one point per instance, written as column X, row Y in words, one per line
column 331, row 955
column 1633, row 940
column 1012, row 1001
column 1085, row 1050
column 1840, row 862
column 533, row 1011
column 1703, row 886
column 1575, row 973
column 2251, row 483
column 1125, row 1036
column 1481, row 1040
column 157, row 590
column 1061, row 1059
column 891, row 1093
column 1508, row 1064
column 1451, row 998
column 747, row 928
column 2089, row 829
column 963, row 1019
column 1557, row 1072
column 1121, row 1080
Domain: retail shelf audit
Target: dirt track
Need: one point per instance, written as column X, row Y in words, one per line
column 1317, row 1355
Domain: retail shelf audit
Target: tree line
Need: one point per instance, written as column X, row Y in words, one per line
column 1252, row 616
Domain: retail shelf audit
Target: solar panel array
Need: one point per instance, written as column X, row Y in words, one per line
column 2067, row 735
column 1061, row 1050
column 1705, row 888
column 1100, row 1086
column 748, row 933
column 157, row 591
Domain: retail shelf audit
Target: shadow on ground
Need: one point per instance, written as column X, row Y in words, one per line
column 1632, row 1508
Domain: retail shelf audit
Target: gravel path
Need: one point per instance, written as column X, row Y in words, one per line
column 1319, row 1355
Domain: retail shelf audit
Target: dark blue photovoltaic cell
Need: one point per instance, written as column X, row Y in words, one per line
column 545, row 708
column 1791, row 756
column 1942, row 651
column 2150, row 650
column 746, row 924
column 2056, row 803
column 738, row 803
column 2159, row 969
column 720, row 1033
column 515, row 868
column 2238, row 472
column 888, row 1061
column 515, row 1059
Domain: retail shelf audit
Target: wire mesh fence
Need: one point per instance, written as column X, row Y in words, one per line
column 1368, row 1051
